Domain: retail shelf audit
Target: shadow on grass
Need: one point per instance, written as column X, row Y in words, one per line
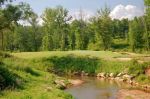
column 31, row 71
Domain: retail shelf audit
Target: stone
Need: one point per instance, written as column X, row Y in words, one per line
column 83, row 73
column 111, row 75
column 101, row 75
column 60, row 84
column 86, row 74
column 76, row 73
column 127, row 77
column 119, row 75
column 117, row 78
column 76, row 82
column 60, row 87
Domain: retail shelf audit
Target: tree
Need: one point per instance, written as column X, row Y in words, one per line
column 104, row 28
column 3, row 1
column 56, row 26
column 147, row 25
column 136, row 30
column 8, row 18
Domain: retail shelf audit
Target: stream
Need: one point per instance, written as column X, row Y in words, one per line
column 94, row 88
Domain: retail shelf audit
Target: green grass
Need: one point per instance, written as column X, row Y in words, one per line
column 33, row 70
column 33, row 81
column 71, row 63
column 98, row 54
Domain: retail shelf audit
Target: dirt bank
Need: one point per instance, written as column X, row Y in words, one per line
column 132, row 94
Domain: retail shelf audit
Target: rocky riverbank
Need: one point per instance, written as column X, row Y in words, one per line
column 121, row 77
column 124, row 77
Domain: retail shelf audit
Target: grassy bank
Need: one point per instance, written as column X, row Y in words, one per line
column 32, row 74
column 27, row 79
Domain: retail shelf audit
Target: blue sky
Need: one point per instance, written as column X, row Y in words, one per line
column 91, row 5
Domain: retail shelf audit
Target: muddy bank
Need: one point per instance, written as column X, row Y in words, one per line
column 132, row 94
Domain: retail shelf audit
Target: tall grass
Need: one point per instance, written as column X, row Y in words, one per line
column 72, row 63
column 69, row 64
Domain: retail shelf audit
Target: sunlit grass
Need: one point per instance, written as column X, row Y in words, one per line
column 99, row 54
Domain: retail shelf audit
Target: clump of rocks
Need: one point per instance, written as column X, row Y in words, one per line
column 122, row 77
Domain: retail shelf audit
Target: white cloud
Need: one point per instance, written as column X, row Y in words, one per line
column 129, row 11
column 26, row 23
column 76, row 14
column 40, row 21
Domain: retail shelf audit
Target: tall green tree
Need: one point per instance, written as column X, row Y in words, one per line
column 8, row 17
column 56, row 27
column 147, row 25
column 136, row 30
column 104, row 28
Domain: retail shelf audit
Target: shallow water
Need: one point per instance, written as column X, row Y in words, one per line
column 94, row 88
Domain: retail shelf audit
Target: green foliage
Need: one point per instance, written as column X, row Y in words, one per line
column 136, row 69
column 32, row 78
column 136, row 34
column 94, row 46
column 4, row 55
column 56, row 28
column 112, row 67
column 104, row 28
column 31, row 71
column 47, row 43
column 7, row 78
column 71, row 63
column 143, row 79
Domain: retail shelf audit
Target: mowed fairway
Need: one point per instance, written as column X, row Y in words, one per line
column 98, row 54
column 107, row 55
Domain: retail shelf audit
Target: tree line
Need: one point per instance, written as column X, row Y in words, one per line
column 60, row 32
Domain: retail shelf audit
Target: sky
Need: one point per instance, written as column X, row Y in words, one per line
column 119, row 8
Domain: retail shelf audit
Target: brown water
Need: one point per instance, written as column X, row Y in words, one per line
column 94, row 88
